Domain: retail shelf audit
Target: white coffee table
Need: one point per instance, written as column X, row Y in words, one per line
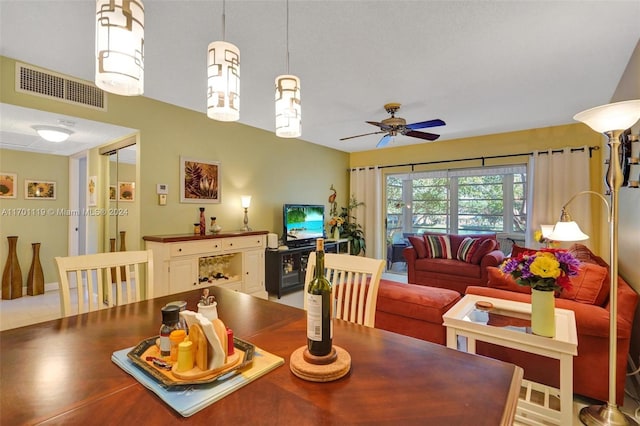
column 508, row 324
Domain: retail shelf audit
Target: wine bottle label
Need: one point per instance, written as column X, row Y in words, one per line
column 314, row 317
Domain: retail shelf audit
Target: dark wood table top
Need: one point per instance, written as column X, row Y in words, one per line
column 60, row 372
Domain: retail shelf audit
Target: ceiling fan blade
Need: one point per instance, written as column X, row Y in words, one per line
column 384, row 141
column 422, row 135
column 381, row 125
column 423, row 124
column 364, row 134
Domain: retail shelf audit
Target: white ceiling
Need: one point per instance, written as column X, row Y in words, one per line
column 481, row 66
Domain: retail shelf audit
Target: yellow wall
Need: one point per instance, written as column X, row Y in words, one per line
column 253, row 161
column 35, row 221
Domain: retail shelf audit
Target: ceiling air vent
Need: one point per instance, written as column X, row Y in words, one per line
column 40, row 82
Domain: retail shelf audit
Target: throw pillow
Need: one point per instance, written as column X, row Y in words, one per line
column 590, row 286
column 517, row 250
column 583, row 254
column 486, row 246
column 467, row 249
column 418, row 246
column 497, row 279
column 438, row 246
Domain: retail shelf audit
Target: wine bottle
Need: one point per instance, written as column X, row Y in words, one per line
column 319, row 308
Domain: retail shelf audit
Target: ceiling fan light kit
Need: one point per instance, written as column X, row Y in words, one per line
column 120, row 46
column 393, row 126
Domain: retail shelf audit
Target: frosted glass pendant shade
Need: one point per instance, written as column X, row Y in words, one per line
column 616, row 116
column 567, row 231
column 223, row 81
column 288, row 108
column 120, row 46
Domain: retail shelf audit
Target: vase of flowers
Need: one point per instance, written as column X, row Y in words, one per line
column 546, row 271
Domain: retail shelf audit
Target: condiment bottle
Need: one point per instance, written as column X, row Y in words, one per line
column 176, row 337
column 185, row 356
column 170, row 322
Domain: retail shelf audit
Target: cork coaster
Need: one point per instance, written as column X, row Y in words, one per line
column 320, row 372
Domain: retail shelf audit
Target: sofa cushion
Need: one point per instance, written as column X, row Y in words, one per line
column 415, row 301
column 486, row 246
column 590, row 286
column 502, row 281
column 517, row 250
column 467, row 249
column 419, row 246
column 438, row 246
column 448, row 266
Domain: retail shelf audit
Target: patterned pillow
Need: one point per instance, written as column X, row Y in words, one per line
column 468, row 248
column 438, row 246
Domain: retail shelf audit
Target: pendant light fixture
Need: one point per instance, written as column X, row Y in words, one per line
column 223, row 78
column 288, row 108
column 120, row 46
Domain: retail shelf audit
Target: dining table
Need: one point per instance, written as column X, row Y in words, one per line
column 61, row 372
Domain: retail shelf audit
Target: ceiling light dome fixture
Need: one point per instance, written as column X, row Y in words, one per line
column 288, row 106
column 223, row 78
column 53, row 133
column 120, row 46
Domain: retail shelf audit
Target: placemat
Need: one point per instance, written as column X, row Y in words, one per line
column 188, row 400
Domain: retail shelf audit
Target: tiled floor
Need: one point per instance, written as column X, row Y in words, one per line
column 33, row 309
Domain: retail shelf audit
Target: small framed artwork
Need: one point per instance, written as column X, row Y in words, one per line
column 39, row 190
column 8, row 185
column 92, row 199
column 112, row 192
column 126, row 191
column 199, row 181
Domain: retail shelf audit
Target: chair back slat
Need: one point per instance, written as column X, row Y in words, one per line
column 99, row 276
column 354, row 285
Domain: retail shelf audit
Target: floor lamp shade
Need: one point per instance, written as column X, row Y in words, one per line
column 223, row 81
column 288, row 107
column 616, row 116
column 120, row 46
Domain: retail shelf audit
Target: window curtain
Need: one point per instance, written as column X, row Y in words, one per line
column 555, row 176
column 366, row 187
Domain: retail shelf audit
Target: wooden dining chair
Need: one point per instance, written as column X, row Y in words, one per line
column 354, row 285
column 103, row 280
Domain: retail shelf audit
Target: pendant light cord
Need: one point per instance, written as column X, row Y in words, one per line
column 223, row 21
column 287, row 36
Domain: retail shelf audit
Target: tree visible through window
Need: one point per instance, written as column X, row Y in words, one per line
column 488, row 199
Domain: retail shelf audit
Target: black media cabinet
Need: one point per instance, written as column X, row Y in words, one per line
column 285, row 270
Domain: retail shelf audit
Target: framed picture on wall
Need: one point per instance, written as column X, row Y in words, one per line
column 39, row 190
column 199, row 181
column 112, row 192
column 126, row 191
column 8, row 185
column 92, row 185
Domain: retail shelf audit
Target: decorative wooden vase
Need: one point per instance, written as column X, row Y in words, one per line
column 112, row 248
column 123, row 247
column 35, row 279
column 12, row 275
column 203, row 223
column 543, row 317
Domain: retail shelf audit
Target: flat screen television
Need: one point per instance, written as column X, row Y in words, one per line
column 302, row 223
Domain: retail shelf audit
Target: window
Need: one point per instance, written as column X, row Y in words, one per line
column 464, row 201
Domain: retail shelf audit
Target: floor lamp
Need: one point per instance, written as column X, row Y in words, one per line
column 612, row 120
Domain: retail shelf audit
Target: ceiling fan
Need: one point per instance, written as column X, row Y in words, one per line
column 394, row 125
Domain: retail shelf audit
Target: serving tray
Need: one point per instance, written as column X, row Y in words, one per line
column 148, row 347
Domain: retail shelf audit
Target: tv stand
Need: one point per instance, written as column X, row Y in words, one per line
column 285, row 270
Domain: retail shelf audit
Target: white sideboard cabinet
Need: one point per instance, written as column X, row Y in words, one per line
column 187, row 262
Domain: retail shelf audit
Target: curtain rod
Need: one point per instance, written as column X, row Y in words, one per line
column 556, row 151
